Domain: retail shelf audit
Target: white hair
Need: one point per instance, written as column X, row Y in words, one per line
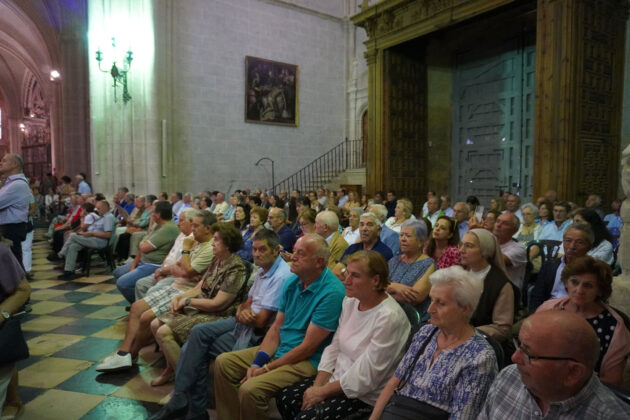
column 329, row 218
column 377, row 220
column 466, row 291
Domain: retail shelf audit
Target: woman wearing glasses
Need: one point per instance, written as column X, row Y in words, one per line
column 449, row 367
column 589, row 285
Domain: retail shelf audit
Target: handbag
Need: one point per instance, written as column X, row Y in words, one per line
column 13, row 346
column 400, row 407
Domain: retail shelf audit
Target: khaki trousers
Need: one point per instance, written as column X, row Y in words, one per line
column 250, row 401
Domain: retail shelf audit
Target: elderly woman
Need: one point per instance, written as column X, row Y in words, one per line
column 215, row 297
column 529, row 230
column 589, row 285
column 442, row 246
column 351, row 233
column 364, row 351
column 14, row 292
column 257, row 220
column 448, row 369
column 481, row 255
column 410, row 270
column 402, row 212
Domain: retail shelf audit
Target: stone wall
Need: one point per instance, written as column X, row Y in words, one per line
column 210, row 144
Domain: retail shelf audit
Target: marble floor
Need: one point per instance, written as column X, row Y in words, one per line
column 72, row 326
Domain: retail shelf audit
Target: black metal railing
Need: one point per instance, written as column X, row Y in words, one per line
column 348, row 154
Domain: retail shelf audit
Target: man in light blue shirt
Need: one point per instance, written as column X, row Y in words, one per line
column 15, row 196
column 82, row 186
column 388, row 236
column 97, row 236
column 555, row 231
column 208, row 340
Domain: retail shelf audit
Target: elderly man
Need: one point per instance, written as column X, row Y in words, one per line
column 461, row 212
column 327, row 226
column 176, row 202
column 594, row 202
column 514, row 254
column 153, row 250
column 72, row 221
column 513, row 205
column 578, row 240
column 187, row 272
column 388, row 236
column 561, row 221
column 277, row 222
column 553, row 376
column 161, row 277
column 186, row 203
column 308, row 314
column 446, row 205
column 208, row 340
column 97, row 236
column 220, row 205
column 425, row 206
column 369, row 233
column 434, row 210
column 15, row 196
column 82, row 186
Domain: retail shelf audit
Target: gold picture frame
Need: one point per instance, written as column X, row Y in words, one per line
column 271, row 92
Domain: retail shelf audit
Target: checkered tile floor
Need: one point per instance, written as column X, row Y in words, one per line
column 74, row 325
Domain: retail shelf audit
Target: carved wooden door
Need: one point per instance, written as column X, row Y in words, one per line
column 493, row 120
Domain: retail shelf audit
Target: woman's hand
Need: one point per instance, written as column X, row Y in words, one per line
column 312, row 396
column 401, row 292
column 177, row 304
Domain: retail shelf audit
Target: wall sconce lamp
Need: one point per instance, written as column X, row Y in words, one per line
column 118, row 74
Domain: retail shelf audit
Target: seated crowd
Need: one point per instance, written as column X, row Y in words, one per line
column 335, row 302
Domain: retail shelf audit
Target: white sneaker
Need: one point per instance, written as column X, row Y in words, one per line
column 115, row 362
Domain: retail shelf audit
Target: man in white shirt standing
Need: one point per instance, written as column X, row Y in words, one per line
column 514, row 254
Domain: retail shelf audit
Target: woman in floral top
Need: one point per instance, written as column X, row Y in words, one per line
column 449, row 367
column 221, row 289
column 442, row 246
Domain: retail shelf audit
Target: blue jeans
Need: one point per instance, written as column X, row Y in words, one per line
column 126, row 280
column 205, row 343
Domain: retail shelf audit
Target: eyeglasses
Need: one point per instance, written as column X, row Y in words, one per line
column 529, row 358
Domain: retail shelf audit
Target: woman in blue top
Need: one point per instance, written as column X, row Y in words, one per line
column 410, row 270
column 449, row 367
column 257, row 220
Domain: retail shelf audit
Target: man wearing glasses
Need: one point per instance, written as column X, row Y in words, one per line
column 553, row 376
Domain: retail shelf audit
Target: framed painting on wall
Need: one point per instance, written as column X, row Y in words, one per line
column 271, row 92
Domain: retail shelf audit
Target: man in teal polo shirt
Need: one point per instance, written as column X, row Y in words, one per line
column 308, row 314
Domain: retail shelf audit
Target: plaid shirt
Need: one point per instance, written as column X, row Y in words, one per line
column 509, row 399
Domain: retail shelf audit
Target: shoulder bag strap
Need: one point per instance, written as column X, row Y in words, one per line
column 415, row 359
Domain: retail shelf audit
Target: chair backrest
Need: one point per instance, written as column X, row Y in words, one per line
column 549, row 249
column 498, row 350
column 414, row 320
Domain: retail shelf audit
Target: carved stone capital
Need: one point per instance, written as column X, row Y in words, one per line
column 370, row 56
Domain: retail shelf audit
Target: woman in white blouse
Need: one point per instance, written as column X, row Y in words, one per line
column 364, row 352
column 351, row 233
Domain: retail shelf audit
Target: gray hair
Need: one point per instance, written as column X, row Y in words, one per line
column 18, row 160
column 188, row 214
column 516, row 222
column 207, row 218
column 583, row 227
column 378, row 209
column 281, row 213
column 330, row 219
column 372, row 215
column 358, row 210
column 189, row 195
column 466, row 206
column 466, row 291
column 532, row 206
column 419, row 227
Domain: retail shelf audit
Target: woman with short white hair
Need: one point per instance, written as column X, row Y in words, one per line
column 449, row 367
column 529, row 229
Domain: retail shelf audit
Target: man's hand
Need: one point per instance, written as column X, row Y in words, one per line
column 188, row 243
column 251, row 372
column 246, row 316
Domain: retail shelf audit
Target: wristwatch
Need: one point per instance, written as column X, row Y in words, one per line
column 5, row 314
column 186, row 251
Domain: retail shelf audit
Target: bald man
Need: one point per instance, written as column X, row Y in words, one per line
column 15, row 196
column 553, row 376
